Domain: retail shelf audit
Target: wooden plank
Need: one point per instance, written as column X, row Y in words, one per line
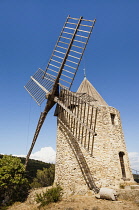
column 70, row 113
column 43, row 88
column 90, row 126
column 69, row 66
column 94, row 130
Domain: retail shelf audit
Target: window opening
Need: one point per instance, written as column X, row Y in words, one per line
column 112, row 118
column 121, row 154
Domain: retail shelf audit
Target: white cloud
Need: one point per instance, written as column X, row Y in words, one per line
column 134, row 160
column 46, row 154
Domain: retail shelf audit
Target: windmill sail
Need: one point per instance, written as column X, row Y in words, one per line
column 82, row 128
column 61, row 70
column 64, row 61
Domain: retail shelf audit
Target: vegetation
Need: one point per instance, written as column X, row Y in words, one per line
column 13, row 184
column 32, row 167
column 53, row 194
column 44, row 177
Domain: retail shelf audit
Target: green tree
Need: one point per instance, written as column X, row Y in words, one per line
column 44, row 177
column 13, row 185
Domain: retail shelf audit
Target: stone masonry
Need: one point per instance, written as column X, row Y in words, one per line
column 109, row 162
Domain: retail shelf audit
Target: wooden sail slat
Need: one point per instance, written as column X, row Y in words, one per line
column 67, row 32
column 52, row 70
column 75, row 40
column 71, row 114
column 65, row 37
column 72, row 23
column 85, row 25
column 62, row 47
column 55, row 61
column 64, row 81
column 72, row 61
column 70, row 28
column 66, row 76
column 82, row 36
column 77, row 46
column 76, row 52
column 84, row 31
column 70, row 66
column 59, row 52
column 68, row 71
column 57, row 56
column 73, row 56
column 54, row 66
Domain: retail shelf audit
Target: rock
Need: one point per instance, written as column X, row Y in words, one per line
column 107, row 193
column 97, row 196
column 134, row 186
column 127, row 188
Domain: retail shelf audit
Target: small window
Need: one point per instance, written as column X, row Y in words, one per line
column 112, row 118
column 121, row 154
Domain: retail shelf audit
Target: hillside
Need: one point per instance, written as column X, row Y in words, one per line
column 32, row 167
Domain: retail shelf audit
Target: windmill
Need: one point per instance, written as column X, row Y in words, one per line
column 54, row 84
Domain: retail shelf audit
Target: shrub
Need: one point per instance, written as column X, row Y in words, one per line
column 44, row 178
column 13, row 185
column 53, row 194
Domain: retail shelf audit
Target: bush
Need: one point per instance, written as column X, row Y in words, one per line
column 53, row 194
column 13, row 185
column 44, row 178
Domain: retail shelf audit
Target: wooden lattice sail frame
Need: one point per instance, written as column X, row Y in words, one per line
column 54, row 85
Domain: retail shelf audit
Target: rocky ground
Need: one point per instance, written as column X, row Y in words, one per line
column 127, row 200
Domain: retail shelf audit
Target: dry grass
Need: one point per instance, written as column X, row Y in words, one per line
column 127, row 200
column 81, row 203
column 23, row 206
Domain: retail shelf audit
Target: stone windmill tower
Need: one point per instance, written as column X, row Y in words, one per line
column 91, row 152
column 97, row 161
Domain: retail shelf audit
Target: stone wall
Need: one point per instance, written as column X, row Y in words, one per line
column 104, row 164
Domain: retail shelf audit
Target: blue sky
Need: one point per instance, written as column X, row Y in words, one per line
column 28, row 32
